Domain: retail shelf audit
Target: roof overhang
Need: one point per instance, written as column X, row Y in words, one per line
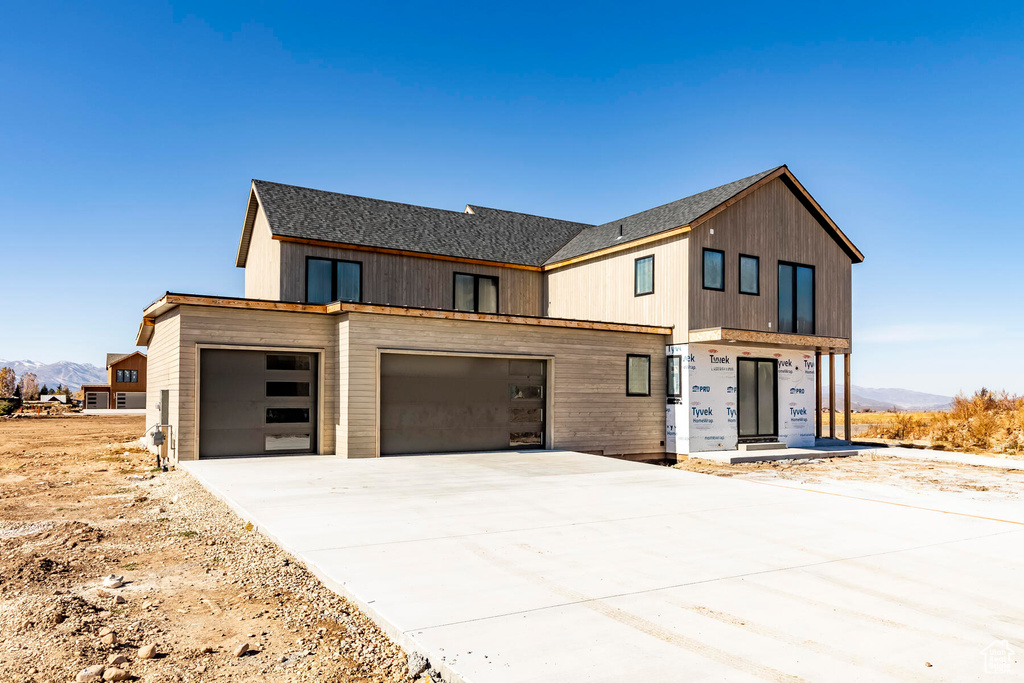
column 251, row 209
column 802, row 342
column 126, row 357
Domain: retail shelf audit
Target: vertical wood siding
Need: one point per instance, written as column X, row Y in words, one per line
column 163, row 372
column 263, row 262
column 133, row 363
column 603, row 288
column 772, row 224
column 256, row 329
column 591, row 411
column 411, row 281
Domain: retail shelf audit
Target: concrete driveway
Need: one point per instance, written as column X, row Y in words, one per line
column 557, row 566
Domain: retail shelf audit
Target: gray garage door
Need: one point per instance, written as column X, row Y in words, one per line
column 445, row 404
column 256, row 402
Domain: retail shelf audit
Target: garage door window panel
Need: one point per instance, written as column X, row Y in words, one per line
column 287, row 415
column 280, row 361
column 285, row 389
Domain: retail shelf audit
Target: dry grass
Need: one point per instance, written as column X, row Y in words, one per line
column 984, row 422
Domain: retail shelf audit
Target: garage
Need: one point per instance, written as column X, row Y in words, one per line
column 257, row 402
column 446, row 404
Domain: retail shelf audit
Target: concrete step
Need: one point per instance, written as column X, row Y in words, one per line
column 765, row 446
column 736, row 457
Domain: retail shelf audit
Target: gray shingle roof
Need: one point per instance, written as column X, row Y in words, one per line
column 652, row 221
column 114, row 357
column 486, row 234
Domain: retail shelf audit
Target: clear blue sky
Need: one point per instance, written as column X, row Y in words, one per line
column 129, row 133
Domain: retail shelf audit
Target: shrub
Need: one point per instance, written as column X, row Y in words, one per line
column 7, row 406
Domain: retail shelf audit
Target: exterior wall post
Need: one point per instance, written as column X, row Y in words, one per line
column 817, row 394
column 847, row 420
column 831, row 394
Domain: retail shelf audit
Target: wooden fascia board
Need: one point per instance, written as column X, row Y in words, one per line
column 248, row 223
column 402, row 252
column 133, row 353
column 657, row 237
column 802, row 341
column 145, row 332
column 848, row 246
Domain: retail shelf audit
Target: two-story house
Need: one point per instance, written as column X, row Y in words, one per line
column 373, row 328
column 126, row 384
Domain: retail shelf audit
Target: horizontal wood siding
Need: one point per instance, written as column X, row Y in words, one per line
column 263, row 263
column 591, row 411
column 411, row 281
column 163, row 372
column 773, row 225
column 255, row 329
column 603, row 288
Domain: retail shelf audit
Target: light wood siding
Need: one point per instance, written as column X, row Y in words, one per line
column 591, row 411
column 602, row 288
column 133, row 362
column 411, row 281
column 773, row 225
column 163, row 370
column 263, row 263
column 256, row 329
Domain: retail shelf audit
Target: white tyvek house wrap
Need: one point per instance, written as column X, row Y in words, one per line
column 677, row 423
column 709, row 373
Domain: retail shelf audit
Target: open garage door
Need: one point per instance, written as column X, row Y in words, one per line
column 446, row 404
column 257, row 402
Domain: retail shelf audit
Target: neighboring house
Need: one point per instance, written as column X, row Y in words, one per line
column 373, row 328
column 126, row 384
column 53, row 398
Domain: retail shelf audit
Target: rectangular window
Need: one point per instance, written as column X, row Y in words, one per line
column 796, row 298
column 638, row 375
column 287, row 415
column 286, row 442
column 525, row 392
column 330, row 280
column 643, row 276
column 675, row 376
column 127, row 376
column 475, row 293
column 714, row 269
column 287, row 389
column 750, row 275
column 282, row 361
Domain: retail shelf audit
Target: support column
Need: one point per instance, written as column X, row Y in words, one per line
column 831, row 394
column 847, row 420
column 817, row 394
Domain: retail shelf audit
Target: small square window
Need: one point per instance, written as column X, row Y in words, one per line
column 714, row 269
column 638, row 375
column 643, row 276
column 750, row 275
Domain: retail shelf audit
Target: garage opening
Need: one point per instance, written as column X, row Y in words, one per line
column 257, row 402
column 447, row 404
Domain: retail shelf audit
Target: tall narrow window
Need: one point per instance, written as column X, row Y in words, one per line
column 643, row 276
column 714, row 269
column 638, row 375
column 475, row 293
column 675, row 376
column 333, row 280
column 750, row 275
column 796, row 298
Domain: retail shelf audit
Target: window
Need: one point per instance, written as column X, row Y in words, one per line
column 287, row 388
column 714, row 269
column 476, row 293
column 287, row 415
column 333, row 280
column 127, row 376
column 280, row 361
column 750, row 275
column 643, row 276
column 796, row 298
column 675, row 376
column 638, row 375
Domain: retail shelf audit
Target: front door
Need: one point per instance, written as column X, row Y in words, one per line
column 758, row 403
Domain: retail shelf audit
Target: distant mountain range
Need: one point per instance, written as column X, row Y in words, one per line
column 886, row 399
column 73, row 375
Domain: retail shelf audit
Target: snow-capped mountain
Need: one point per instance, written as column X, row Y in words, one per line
column 73, row 375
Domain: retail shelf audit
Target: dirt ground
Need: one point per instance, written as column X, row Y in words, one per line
column 80, row 500
column 877, row 468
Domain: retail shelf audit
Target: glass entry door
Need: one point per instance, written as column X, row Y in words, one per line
column 757, row 380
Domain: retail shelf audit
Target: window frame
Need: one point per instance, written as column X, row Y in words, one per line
column 636, row 278
column 703, row 269
column 739, row 274
column 796, row 295
column 127, row 376
column 670, row 361
column 334, row 277
column 638, row 355
column 476, row 292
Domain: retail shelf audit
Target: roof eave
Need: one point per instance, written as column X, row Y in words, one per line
column 251, row 209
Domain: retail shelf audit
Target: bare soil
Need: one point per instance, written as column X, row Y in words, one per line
column 80, row 500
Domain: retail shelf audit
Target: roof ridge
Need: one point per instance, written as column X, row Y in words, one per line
column 531, row 215
column 357, row 196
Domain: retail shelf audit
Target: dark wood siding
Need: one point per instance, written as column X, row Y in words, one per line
column 773, row 225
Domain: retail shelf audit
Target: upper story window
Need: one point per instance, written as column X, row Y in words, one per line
column 643, row 276
column 750, row 275
column 714, row 269
column 796, row 298
column 127, row 376
column 638, row 375
column 333, row 280
column 476, row 293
